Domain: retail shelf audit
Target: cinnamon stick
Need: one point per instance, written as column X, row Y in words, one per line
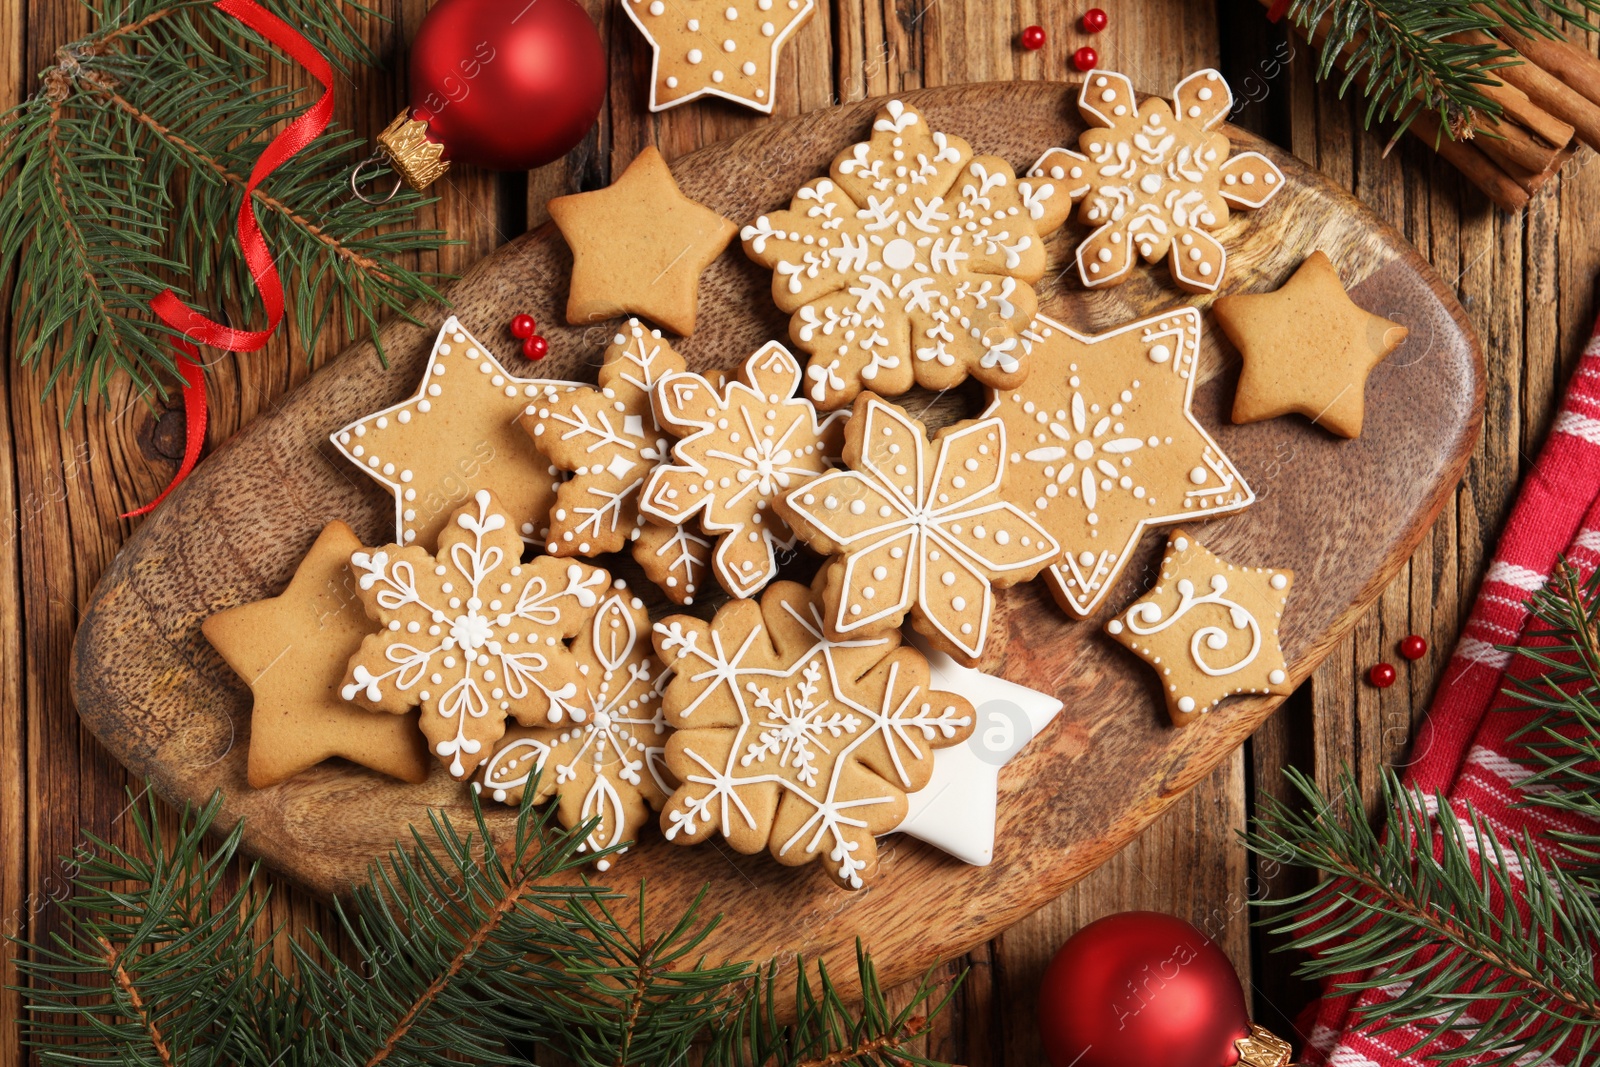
column 1479, row 169
column 1578, row 69
column 1555, row 97
column 1511, row 145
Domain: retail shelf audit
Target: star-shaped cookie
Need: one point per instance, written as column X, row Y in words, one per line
column 457, row 434
column 291, row 650
column 1104, row 446
column 1209, row 628
column 1306, row 348
column 639, row 247
column 716, row 47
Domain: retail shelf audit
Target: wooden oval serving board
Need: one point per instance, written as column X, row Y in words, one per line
column 1345, row 515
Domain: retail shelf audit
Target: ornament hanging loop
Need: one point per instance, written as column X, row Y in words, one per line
column 355, row 180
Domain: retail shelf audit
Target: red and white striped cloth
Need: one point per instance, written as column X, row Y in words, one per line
column 1461, row 750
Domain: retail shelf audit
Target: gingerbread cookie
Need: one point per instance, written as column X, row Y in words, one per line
column 1104, row 445
column 1209, row 628
column 609, row 440
column 742, row 446
column 605, row 760
column 469, row 634
column 639, row 247
column 1307, row 348
column 790, row 741
column 456, row 435
column 1154, row 180
column 291, row 651
column 716, row 48
column 912, row 263
column 918, row 528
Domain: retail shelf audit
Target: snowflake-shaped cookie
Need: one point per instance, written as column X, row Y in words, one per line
column 1104, row 446
column 1154, row 179
column 742, row 447
column 470, row 635
column 793, row 742
column 610, row 441
column 912, row 263
column 918, row 528
column 605, row 761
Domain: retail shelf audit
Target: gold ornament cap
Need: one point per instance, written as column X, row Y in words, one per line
column 1263, row 1048
column 405, row 144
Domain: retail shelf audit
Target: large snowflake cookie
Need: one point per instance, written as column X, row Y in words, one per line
column 610, row 441
column 1209, row 628
column 742, row 446
column 1104, row 445
column 794, row 742
column 918, row 528
column 605, row 760
column 455, row 435
column 470, row 635
column 1154, row 180
column 912, row 263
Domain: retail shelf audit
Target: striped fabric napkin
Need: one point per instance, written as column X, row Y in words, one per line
column 1461, row 750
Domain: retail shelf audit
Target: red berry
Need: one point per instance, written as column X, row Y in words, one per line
column 535, row 347
column 1033, row 38
column 1094, row 20
column 1413, row 647
column 1381, row 675
column 522, row 327
column 1086, row 58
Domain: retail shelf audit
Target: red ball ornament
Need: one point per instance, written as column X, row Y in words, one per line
column 1381, row 675
column 1413, row 647
column 1033, row 38
column 1141, row 989
column 1086, row 58
column 1094, row 20
column 535, row 347
column 522, row 327
column 503, row 86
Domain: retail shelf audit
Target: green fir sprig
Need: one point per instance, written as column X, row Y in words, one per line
column 123, row 175
column 1412, row 57
column 460, row 948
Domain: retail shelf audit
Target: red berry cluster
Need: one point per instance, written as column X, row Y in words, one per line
column 1084, row 59
column 533, row 346
column 1413, row 646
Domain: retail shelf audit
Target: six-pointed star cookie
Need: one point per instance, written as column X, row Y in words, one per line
column 469, row 634
column 457, row 434
column 726, row 48
column 291, row 650
column 918, row 527
column 1104, row 446
column 1306, row 348
column 1209, row 628
column 639, row 247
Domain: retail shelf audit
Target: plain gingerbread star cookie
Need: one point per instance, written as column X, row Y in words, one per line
column 793, row 742
column 1307, row 348
column 1154, row 180
column 291, row 651
column 1104, row 445
column 1209, row 628
column 639, row 247
column 726, row 48
column 457, row 434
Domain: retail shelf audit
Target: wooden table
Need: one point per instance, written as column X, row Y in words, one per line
column 1528, row 281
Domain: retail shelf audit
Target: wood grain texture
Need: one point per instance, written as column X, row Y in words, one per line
column 1344, row 516
column 63, row 488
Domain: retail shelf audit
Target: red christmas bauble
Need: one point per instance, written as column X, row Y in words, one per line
column 1381, row 675
column 507, row 86
column 1033, row 38
column 1086, row 58
column 1094, row 20
column 1414, row 646
column 1141, row 989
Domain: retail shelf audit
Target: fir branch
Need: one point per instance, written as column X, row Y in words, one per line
column 122, row 177
column 1412, row 56
column 1405, row 912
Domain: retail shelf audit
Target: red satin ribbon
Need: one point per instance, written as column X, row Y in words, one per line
column 197, row 328
column 1278, row 9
